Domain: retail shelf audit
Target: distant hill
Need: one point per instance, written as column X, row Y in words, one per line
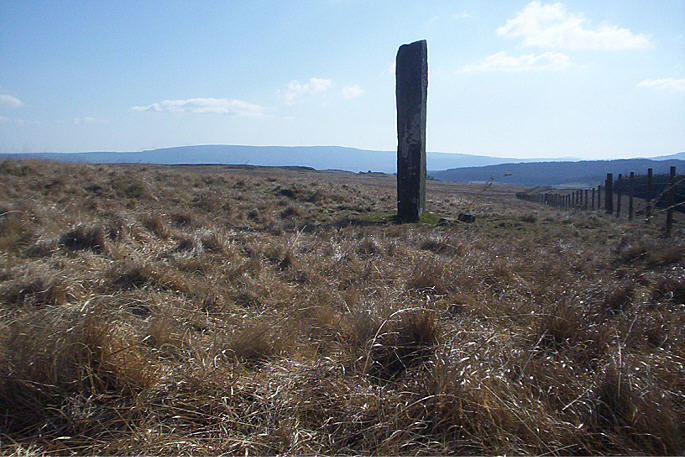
column 582, row 173
column 319, row 157
column 678, row 156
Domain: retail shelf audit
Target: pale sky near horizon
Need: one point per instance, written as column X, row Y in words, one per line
column 583, row 79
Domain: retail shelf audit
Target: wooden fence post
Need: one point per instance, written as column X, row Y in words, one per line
column 630, row 195
column 599, row 197
column 587, row 193
column 593, row 199
column 671, row 202
column 648, row 209
column 619, row 188
column 609, row 198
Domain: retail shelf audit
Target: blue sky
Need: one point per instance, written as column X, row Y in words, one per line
column 586, row 79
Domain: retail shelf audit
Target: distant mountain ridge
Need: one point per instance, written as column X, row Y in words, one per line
column 581, row 173
column 677, row 156
column 441, row 166
column 319, row 157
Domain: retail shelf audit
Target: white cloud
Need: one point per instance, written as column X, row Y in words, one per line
column 501, row 61
column 296, row 89
column 10, row 102
column 204, row 106
column 4, row 119
column 670, row 84
column 461, row 15
column 352, row 91
column 88, row 120
column 550, row 26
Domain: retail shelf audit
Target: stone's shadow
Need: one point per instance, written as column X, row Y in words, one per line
column 429, row 219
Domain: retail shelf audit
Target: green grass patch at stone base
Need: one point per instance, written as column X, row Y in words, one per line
column 430, row 219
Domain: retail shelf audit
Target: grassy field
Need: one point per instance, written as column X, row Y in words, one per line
column 207, row 310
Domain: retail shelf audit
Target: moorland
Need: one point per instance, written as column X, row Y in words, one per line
column 245, row 310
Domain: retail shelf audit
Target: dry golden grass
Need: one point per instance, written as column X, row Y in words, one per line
column 207, row 310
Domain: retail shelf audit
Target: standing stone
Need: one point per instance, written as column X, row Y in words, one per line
column 411, row 91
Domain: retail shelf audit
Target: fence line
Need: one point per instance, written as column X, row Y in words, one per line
column 590, row 198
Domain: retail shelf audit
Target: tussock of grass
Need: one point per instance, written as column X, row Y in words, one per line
column 130, row 275
column 255, row 343
column 402, row 344
column 82, row 237
column 440, row 247
column 37, row 287
column 368, row 247
column 232, row 310
column 427, row 276
column 54, row 358
column 214, row 242
column 530, row 218
column 156, row 225
column 620, row 298
column 289, row 211
column 182, row 219
column 670, row 289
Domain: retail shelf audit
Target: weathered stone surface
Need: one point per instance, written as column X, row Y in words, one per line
column 468, row 218
column 411, row 91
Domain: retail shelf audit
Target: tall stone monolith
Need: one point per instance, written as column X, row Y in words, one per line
column 411, row 92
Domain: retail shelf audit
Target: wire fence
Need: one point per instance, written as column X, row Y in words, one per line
column 657, row 194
